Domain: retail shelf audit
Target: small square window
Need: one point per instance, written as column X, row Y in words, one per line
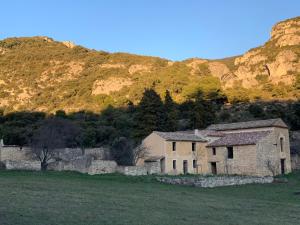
column 230, row 152
column 214, row 151
column 174, row 146
column 194, row 163
column 174, row 164
column 193, row 146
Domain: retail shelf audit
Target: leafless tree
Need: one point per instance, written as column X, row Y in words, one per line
column 140, row 152
column 52, row 135
column 272, row 167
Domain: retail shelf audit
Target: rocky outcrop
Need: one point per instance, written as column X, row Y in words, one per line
column 287, row 33
column 69, row 44
column 110, row 85
column 278, row 63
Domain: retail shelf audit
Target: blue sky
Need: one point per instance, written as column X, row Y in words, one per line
column 173, row 29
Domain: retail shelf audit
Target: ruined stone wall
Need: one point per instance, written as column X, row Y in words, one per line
column 132, row 170
column 15, row 153
column 98, row 153
column 215, row 181
column 153, row 167
column 22, row 165
column 102, row 166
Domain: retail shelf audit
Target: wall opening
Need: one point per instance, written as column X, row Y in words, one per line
column 213, row 167
column 230, row 152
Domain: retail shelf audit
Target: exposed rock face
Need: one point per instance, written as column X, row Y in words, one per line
column 271, row 59
column 139, row 68
column 110, row 85
column 287, row 33
column 2, row 51
column 69, row 44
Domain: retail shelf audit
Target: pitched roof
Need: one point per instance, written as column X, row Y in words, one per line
column 179, row 136
column 242, row 138
column 249, row 124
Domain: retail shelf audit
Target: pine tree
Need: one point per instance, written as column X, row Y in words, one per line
column 171, row 113
column 150, row 114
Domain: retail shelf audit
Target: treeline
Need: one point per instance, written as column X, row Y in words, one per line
column 134, row 122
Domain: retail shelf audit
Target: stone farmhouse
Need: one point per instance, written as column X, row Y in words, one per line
column 256, row 148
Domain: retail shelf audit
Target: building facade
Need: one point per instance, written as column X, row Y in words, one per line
column 257, row 148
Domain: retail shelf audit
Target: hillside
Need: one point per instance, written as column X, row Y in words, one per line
column 40, row 74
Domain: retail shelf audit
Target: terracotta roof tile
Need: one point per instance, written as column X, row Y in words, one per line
column 179, row 136
column 242, row 138
column 249, row 124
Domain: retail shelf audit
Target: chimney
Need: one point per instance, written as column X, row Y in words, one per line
column 197, row 132
column 1, row 142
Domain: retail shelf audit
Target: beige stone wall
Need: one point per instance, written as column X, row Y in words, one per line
column 15, row 153
column 184, row 152
column 269, row 152
column 155, row 145
column 243, row 162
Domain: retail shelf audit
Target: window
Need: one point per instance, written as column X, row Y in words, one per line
column 193, row 146
column 281, row 144
column 214, row 151
column 174, row 146
column 230, row 152
column 194, row 163
column 174, row 164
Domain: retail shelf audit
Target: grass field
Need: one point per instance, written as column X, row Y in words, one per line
column 36, row 198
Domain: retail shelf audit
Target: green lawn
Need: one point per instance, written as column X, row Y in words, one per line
column 36, row 198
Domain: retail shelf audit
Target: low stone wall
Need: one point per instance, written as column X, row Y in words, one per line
column 15, row 153
column 98, row 153
column 153, row 167
column 68, row 154
column 79, row 164
column 215, row 181
column 102, row 166
column 22, row 165
column 132, row 170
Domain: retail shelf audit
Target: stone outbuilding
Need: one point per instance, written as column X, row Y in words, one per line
column 256, row 148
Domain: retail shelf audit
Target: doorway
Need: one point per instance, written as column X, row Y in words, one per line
column 282, row 164
column 213, row 168
column 185, row 166
column 162, row 165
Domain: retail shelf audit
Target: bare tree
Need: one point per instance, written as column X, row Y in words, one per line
column 126, row 152
column 140, row 152
column 52, row 135
column 272, row 167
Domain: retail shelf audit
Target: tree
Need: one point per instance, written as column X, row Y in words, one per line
column 171, row 113
column 256, row 110
column 121, row 151
column 150, row 114
column 52, row 135
column 126, row 152
column 203, row 112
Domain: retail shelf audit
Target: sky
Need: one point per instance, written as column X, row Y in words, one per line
column 172, row 29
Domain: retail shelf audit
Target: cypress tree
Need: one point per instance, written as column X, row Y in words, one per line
column 171, row 113
column 150, row 114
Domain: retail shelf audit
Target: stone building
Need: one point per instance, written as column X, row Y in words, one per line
column 258, row 148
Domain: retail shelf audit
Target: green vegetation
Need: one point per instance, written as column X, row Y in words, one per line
column 71, row 198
